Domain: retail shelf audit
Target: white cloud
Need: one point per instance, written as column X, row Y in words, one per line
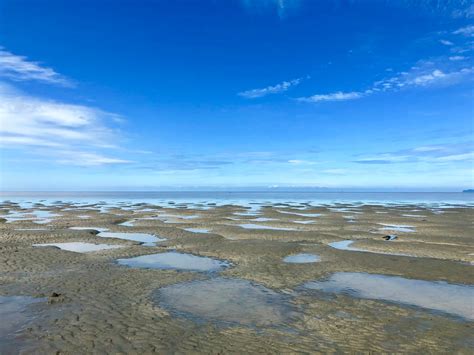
column 446, row 42
column 386, row 158
column 465, row 31
column 8, row 141
column 275, row 89
column 429, row 148
column 457, row 157
column 55, row 128
column 87, row 159
column 437, row 77
column 425, row 79
column 457, row 57
column 19, row 68
column 424, row 74
column 27, row 116
column 336, row 96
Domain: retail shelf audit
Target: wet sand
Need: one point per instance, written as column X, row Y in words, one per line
column 89, row 303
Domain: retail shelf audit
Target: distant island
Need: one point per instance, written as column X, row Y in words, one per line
column 468, row 190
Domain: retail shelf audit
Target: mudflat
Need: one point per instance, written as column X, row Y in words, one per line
column 366, row 278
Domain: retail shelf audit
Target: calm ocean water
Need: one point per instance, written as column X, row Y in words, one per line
column 244, row 198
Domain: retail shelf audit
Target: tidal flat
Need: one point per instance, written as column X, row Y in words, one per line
column 297, row 278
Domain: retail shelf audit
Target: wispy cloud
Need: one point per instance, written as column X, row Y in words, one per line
column 462, row 152
column 465, row 31
column 446, row 42
column 382, row 159
column 19, row 68
column 301, row 162
column 457, row 57
column 424, row 74
column 335, row 96
column 60, row 132
column 184, row 163
column 87, row 158
column 274, row 89
column 65, row 132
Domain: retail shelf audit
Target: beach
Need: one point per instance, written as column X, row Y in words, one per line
column 223, row 277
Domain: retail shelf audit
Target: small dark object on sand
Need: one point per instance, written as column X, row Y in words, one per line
column 390, row 237
column 55, row 298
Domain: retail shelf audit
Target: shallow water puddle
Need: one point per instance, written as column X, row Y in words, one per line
column 304, row 222
column 44, row 214
column 264, row 219
column 249, row 213
column 344, row 210
column 228, row 301
column 258, row 226
column 197, row 230
column 127, row 223
column 144, row 238
column 170, row 218
column 15, row 314
column 435, row 295
column 44, row 217
column 397, row 227
column 346, row 245
column 301, row 214
column 79, row 247
column 301, row 258
column 98, row 229
column 176, row 261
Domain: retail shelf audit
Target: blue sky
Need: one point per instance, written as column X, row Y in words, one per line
column 152, row 94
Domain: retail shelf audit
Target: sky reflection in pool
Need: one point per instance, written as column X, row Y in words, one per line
column 304, row 222
column 301, row 258
column 301, row 214
column 397, row 227
column 263, row 219
column 258, row 226
column 176, row 261
column 346, row 245
column 197, row 230
column 127, row 223
column 144, row 238
column 79, row 247
column 434, row 295
column 228, row 301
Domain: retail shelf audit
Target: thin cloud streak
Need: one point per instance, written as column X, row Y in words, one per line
column 336, row 96
column 465, row 31
column 422, row 75
column 275, row 89
column 19, row 68
column 463, row 152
